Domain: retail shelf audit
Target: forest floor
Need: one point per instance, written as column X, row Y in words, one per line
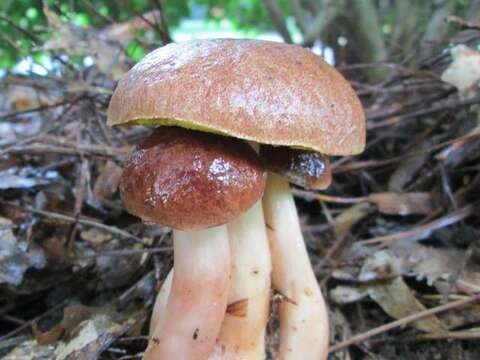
column 393, row 241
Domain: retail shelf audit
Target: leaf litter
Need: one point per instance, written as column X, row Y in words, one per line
column 393, row 240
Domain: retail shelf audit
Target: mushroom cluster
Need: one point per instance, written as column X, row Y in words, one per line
column 236, row 121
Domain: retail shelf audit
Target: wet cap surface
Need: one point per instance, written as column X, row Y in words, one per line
column 191, row 180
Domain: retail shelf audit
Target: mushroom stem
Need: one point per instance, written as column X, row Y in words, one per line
column 303, row 314
column 198, row 298
column 160, row 307
column 242, row 335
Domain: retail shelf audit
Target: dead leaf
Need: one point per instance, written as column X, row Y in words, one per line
column 346, row 273
column 344, row 294
column 380, row 266
column 95, row 236
column 75, row 314
column 16, row 256
column 92, row 337
column 406, row 171
column 349, row 218
column 31, row 350
column 107, row 181
column 414, row 203
column 461, row 317
column 23, row 178
column 341, row 326
column 393, row 295
column 21, row 97
column 438, row 265
column 125, row 31
column 429, row 263
column 116, row 271
column 434, row 265
column 88, row 332
column 464, row 71
column 49, row 336
column 398, row 301
column 78, row 41
column 381, row 281
column 460, row 149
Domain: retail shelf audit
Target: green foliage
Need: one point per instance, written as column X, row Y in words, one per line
column 135, row 50
column 249, row 12
column 23, row 24
column 375, row 31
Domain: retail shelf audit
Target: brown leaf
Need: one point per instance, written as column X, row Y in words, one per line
column 349, row 218
column 125, row 31
column 461, row 148
column 391, row 203
column 23, row 97
column 107, row 181
column 75, row 314
column 398, row 301
column 49, row 336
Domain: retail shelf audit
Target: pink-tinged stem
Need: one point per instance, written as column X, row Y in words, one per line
column 242, row 336
column 303, row 314
column 160, row 307
column 198, row 299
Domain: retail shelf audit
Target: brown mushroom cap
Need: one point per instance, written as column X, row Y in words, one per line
column 308, row 169
column 190, row 180
column 267, row 92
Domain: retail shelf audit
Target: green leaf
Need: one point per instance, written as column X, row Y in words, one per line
column 135, row 50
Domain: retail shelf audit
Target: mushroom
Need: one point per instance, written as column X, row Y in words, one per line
column 195, row 183
column 295, row 110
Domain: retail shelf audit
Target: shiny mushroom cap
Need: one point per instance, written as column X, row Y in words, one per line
column 189, row 180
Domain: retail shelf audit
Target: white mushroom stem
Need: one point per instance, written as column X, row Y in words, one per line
column 242, row 336
column 303, row 314
column 198, row 299
column 159, row 309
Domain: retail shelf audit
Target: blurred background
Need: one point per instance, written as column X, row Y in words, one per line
column 395, row 236
column 343, row 31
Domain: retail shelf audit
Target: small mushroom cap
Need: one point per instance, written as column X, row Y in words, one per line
column 190, row 180
column 267, row 92
column 308, row 169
